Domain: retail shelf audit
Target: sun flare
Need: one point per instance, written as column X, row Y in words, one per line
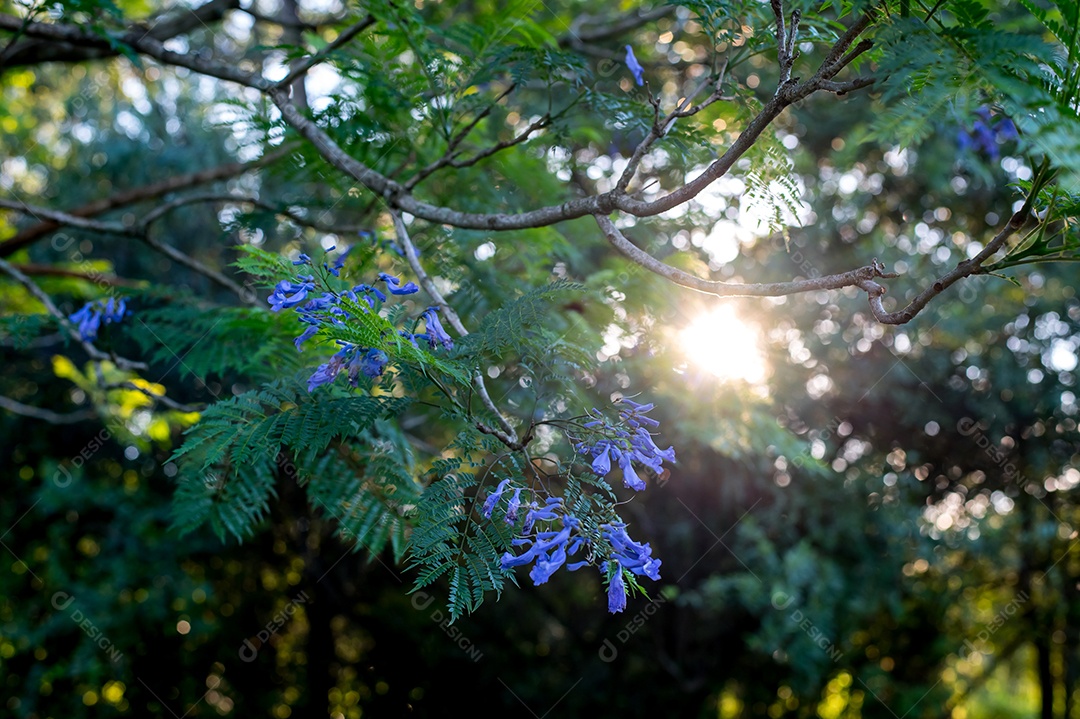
column 722, row 344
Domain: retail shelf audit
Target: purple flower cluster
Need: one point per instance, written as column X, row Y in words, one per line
column 356, row 360
column 93, row 314
column 627, row 555
column 331, row 308
column 986, row 134
column 550, row 548
column 626, row 444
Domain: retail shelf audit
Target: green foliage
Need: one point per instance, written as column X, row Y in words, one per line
column 228, row 458
column 451, row 539
column 518, row 324
column 203, row 341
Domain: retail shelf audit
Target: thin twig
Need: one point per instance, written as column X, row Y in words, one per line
column 507, row 435
column 312, row 60
column 963, row 269
column 65, row 323
column 170, row 403
column 729, row 289
column 43, row 414
column 137, row 231
column 138, row 194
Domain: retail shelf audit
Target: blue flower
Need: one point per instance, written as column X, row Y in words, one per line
column 984, row 138
column 91, row 316
column 1006, row 130
column 635, row 556
column 88, row 321
column 436, row 334
column 493, row 498
column 310, row 332
column 986, row 134
column 356, row 360
column 635, row 67
column 964, row 141
column 601, row 465
column 304, row 260
column 616, row 596
column 288, row 294
column 368, row 293
column 546, row 514
column 338, row 263
column 393, row 284
column 371, row 363
column 326, row 373
column 630, row 478
column 513, row 506
column 549, row 551
column 626, row 447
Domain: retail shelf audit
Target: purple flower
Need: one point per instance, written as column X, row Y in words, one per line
column 616, row 596
column 90, row 318
column 493, row 498
column 436, row 334
column 288, row 294
column 548, row 550
column 634, row 66
column 635, row 556
column 304, row 260
column 513, row 507
column 326, row 373
column 371, row 363
column 393, row 284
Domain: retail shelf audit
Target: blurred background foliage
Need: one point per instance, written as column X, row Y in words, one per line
column 864, row 521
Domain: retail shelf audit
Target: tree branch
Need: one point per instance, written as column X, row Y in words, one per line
column 396, row 194
column 963, row 269
column 312, row 60
column 785, row 41
column 33, row 270
column 507, row 435
column 43, row 414
column 159, row 28
column 606, row 28
column 65, row 323
column 138, row 231
column 138, row 194
column 640, row 257
column 170, row 403
column 162, row 210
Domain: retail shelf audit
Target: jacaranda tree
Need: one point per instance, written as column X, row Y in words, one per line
column 381, row 243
